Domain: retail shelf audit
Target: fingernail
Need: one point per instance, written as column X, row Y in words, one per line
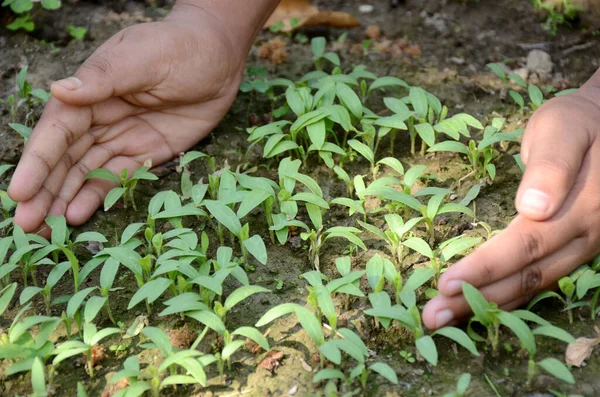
column 453, row 287
column 443, row 317
column 535, row 200
column 70, row 83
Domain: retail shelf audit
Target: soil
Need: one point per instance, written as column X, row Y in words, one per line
column 456, row 40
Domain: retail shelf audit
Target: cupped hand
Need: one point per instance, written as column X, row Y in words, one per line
column 559, row 213
column 150, row 92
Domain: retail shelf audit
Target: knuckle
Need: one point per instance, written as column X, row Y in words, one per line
column 556, row 166
column 99, row 64
column 531, row 281
column 66, row 132
column 67, row 161
column 82, row 168
column 532, row 245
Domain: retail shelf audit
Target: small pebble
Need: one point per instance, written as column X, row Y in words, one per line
column 365, row 8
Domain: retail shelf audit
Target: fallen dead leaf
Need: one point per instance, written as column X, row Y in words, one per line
column 271, row 361
column 183, row 337
column 583, row 348
column 97, row 354
column 308, row 14
column 112, row 388
column 274, row 51
column 373, row 32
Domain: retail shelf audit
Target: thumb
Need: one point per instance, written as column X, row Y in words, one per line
column 553, row 164
column 123, row 65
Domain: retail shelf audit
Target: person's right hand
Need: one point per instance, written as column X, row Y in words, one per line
column 150, row 92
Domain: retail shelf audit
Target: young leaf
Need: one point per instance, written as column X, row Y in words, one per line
column 476, row 301
column 113, row 196
column 242, row 293
column 554, row 332
column 224, row 215
column 363, row 149
column 210, row 319
column 460, row 337
column 418, row 99
column 103, row 173
column 38, row 379
column 254, row 334
column 256, row 247
column 557, row 369
column 151, row 291
column 386, row 371
column 419, row 245
column 520, row 329
column 317, row 45
column 427, row 349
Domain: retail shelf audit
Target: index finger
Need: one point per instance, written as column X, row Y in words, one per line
column 523, row 242
column 58, row 128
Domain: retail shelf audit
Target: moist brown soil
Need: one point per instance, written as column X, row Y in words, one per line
column 451, row 65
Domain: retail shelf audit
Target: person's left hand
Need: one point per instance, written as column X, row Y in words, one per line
column 557, row 228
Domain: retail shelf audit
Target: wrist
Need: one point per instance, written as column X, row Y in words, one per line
column 237, row 22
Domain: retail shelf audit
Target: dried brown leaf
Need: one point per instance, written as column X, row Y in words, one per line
column 308, row 14
column 272, row 360
column 579, row 351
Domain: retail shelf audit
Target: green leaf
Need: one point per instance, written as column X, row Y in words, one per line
column 554, row 332
column 189, row 157
column 76, row 301
column 328, row 373
column 535, row 94
column 102, row 334
column 395, row 122
column 557, row 369
column 497, row 69
column 349, row 99
column 544, row 295
column 317, row 45
column 113, row 196
column 419, row 277
column 92, row 307
column 90, row 236
column 6, row 296
column 363, row 149
column 352, row 204
column 419, row 245
column 520, row 329
column 256, row 247
column 242, row 293
column 393, row 163
column 479, row 305
column 427, row 349
column 518, row 98
column 310, row 198
column 387, row 81
column 151, row 291
column 209, row 319
column 51, row 4
column 386, row 371
column 331, row 352
column 38, row 379
column 276, row 312
column 418, row 99
column 311, row 324
column 254, row 334
column 159, row 339
column 458, row 246
column 224, row 215
column 459, row 336
column 231, row 348
column 449, row 146
column 103, row 173
column 463, row 384
column 426, row 132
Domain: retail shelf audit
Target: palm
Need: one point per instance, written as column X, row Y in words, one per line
column 164, row 110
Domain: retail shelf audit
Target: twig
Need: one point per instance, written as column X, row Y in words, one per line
column 534, row 46
column 579, row 47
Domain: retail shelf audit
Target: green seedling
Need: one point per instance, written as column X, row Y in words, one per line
column 408, row 316
column 23, row 8
column 317, row 238
column 377, row 188
column 488, row 315
column 397, row 231
column 126, row 184
column 318, row 45
column 25, row 94
column 77, row 32
column 91, row 337
column 407, row 356
column 20, row 344
column 349, row 282
column 481, row 154
column 461, row 386
column 559, row 13
column 351, row 344
column 7, row 205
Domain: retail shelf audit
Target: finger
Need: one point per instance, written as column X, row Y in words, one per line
column 519, row 287
column 92, row 194
column 523, row 242
column 59, row 127
column 108, row 71
column 552, row 164
column 30, row 214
